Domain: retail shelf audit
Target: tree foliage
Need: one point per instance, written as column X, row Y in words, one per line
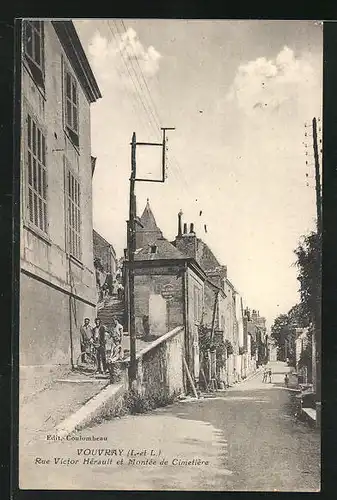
column 306, row 355
column 309, row 265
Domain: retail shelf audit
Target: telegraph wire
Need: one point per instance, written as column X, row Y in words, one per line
column 155, row 112
column 132, row 79
column 131, row 95
column 155, row 117
column 144, row 80
column 176, row 168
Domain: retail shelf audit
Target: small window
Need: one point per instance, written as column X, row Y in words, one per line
column 36, row 174
column 153, row 249
column 73, row 215
column 34, row 49
column 71, row 106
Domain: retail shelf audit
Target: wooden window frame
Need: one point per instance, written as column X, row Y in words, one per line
column 33, row 36
column 71, row 104
column 36, row 174
column 73, row 213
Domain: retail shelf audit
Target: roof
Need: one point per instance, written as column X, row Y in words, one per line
column 147, row 219
column 71, row 43
column 164, row 250
column 98, row 239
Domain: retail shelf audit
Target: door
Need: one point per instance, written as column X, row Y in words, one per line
column 157, row 315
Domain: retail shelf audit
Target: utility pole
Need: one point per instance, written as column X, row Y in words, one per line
column 131, row 258
column 131, row 245
column 317, row 178
column 319, row 233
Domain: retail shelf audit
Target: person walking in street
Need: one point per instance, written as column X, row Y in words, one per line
column 269, row 374
column 264, row 377
column 286, row 380
column 85, row 337
column 99, row 340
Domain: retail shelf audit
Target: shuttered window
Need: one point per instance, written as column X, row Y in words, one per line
column 73, row 215
column 71, row 105
column 34, row 49
column 36, row 175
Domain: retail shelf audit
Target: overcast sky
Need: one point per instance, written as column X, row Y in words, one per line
column 239, row 94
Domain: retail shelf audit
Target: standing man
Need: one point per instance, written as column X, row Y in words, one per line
column 99, row 339
column 270, row 374
column 85, row 337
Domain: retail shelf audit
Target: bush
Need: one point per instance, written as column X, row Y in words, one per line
column 138, row 403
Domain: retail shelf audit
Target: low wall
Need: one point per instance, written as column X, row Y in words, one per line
column 160, row 366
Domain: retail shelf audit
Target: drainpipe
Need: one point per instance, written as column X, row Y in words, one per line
column 71, row 335
column 186, row 323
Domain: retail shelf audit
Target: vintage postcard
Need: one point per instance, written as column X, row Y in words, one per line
column 170, row 254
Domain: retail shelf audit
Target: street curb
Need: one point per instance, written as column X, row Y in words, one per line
column 91, row 410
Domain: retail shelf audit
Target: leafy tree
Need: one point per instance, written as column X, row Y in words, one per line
column 309, row 265
column 306, row 355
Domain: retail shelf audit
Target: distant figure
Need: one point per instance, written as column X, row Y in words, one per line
column 109, row 283
column 85, row 337
column 269, row 374
column 117, row 330
column 120, row 291
column 264, row 378
column 286, row 380
column 146, row 326
column 99, row 340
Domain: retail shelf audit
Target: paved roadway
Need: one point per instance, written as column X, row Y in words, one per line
column 249, row 436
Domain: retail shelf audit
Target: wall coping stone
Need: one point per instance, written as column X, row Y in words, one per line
column 155, row 343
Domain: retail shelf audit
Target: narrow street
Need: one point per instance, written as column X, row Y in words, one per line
column 249, row 438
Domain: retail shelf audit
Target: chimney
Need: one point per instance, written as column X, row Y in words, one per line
column 93, row 165
column 185, row 228
column 191, row 227
column 179, row 223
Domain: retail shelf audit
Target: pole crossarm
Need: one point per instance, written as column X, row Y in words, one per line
column 150, row 180
column 149, row 144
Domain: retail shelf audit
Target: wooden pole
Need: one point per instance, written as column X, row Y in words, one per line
column 190, row 378
column 214, row 313
column 131, row 258
column 319, row 232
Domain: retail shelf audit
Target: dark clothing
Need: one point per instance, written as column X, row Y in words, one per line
column 99, row 338
column 101, row 359
column 98, row 334
column 85, row 336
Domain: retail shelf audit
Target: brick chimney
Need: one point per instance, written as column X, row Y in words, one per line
column 179, row 223
column 187, row 244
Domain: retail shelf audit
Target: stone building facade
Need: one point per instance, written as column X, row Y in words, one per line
column 169, row 289
column 57, row 282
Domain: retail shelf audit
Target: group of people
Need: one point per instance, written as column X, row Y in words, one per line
column 106, row 341
column 267, row 374
column 113, row 286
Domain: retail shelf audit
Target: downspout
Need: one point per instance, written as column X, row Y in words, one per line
column 186, row 322
column 71, row 335
column 70, row 318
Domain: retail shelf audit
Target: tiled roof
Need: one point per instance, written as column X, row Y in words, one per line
column 164, row 250
column 147, row 219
